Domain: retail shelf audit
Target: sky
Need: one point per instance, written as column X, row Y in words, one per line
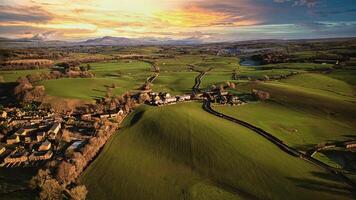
column 207, row 20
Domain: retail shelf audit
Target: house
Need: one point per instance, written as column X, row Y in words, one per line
column 16, row 156
column 21, row 131
column 2, row 148
column 120, row 112
column 104, row 116
column 3, row 114
column 54, row 130
column 158, row 102
column 170, row 100
column 44, row 155
column 75, row 145
column 350, row 145
column 40, row 136
column 14, row 139
column 45, row 146
column 183, row 97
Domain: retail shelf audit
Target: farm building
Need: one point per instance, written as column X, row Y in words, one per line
column 14, row 139
column 45, row 146
column 36, row 156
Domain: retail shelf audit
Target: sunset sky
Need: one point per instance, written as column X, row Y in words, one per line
column 208, row 20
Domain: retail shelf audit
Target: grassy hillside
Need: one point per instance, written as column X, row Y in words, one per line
column 182, row 152
column 304, row 110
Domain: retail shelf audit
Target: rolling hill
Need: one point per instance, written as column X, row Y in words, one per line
column 182, row 152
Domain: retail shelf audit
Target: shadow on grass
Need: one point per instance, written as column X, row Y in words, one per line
column 6, row 94
column 323, row 183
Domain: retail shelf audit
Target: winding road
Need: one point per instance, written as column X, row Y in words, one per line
column 284, row 147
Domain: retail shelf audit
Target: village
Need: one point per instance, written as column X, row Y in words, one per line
column 32, row 137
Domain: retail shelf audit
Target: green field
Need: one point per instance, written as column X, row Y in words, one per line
column 13, row 75
column 300, row 66
column 182, row 152
column 175, row 82
column 126, row 75
column 304, row 110
column 14, row 183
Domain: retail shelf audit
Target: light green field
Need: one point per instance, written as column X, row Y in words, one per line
column 182, row 152
column 126, row 75
column 304, row 110
column 88, row 88
column 13, row 75
column 299, row 128
column 175, row 82
column 123, row 67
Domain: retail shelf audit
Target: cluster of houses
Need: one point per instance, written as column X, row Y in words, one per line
column 29, row 137
column 164, row 98
column 223, row 98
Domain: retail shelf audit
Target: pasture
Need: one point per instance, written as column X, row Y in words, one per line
column 182, row 152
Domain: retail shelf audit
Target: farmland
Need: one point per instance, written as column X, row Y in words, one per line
column 155, row 157
column 136, row 122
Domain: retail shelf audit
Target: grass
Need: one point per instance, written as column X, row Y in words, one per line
column 13, row 75
column 126, row 75
column 88, row 88
column 299, row 128
column 299, row 66
column 14, row 183
column 182, row 152
column 175, row 82
column 304, row 110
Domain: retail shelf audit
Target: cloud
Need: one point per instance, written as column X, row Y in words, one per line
column 24, row 14
column 308, row 3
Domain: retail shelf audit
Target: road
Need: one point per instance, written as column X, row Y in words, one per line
column 280, row 144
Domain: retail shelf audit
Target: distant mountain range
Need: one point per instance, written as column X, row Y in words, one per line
column 104, row 41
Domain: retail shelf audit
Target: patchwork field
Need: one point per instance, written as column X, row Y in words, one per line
column 200, row 156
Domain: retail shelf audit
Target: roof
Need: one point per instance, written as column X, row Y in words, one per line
column 76, row 145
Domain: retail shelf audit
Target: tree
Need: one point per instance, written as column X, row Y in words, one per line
column 51, row 190
column 79, row 192
column 65, row 172
column 39, row 180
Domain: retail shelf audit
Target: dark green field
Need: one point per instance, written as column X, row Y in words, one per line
column 182, row 152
